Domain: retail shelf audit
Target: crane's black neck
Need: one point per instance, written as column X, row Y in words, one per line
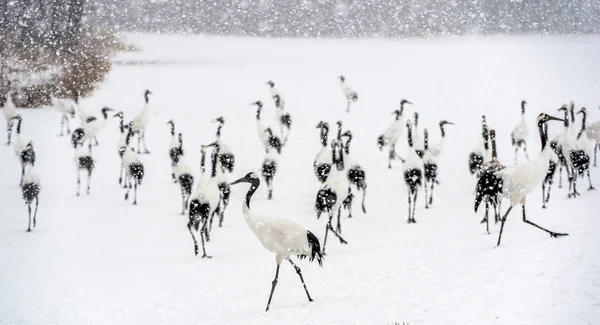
column 493, row 140
column 258, row 109
column 324, row 135
column 172, row 129
column 219, row 129
column 416, row 119
column 202, row 161
column 426, row 140
column 566, row 123
column 409, row 136
column 572, row 111
column 180, row 147
column 523, row 107
column 347, row 144
column 486, row 144
column 582, row 124
column 543, row 135
column 442, row 130
column 128, row 138
column 105, row 114
column 146, row 97
column 337, row 157
column 213, row 160
column 122, row 126
column 19, row 126
column 254, row 184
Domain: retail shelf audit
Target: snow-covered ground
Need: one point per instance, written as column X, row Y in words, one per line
column 99, row 260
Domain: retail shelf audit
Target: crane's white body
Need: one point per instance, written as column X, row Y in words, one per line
column 273, row 91
column 140, row 121
column 129, row 157
column 65, row 106
column 413, row 161
column 435, row 149
column 395, row 131
column 31, row 176
column 280, row 236
column 593, row 131
column 9, row 110
column 521, row 179
column 521, row 130
column 324, row 156
column 182, row 167
column 480, row 150
column 347, row 90
column 338, row 183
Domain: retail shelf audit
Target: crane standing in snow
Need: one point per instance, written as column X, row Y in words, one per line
column 280, row 236
column 489, row 186
column 10, row 113
column 323, row 160
column 519, row 134
column 284, row 119
column 413, row 174
column 140, row 123
column 66, row 108
column 521, row 179
column 30, row 189
column 349, row 94
column 393, row 133
column 480, row 154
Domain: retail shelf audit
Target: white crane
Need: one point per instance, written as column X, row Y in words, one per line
column 89, row 130
column 349, row 94
column 121, row 145
column 226, row 156
column 284, row 119
column 430, row 165
column 584, row 145
column 83, row 161
column 66, row 108
column 10, row 113
column 521, row 179
column 204, row 203
column 268, row 170
column 436, row 149
column 264, row 131
column 175, row 149
column 323, row 160
column 184, row 176
column 554, row 160
column 356, row 173
column 413, row 173
column 519, row 134
column 23, row 149
column 134, row 168
column 140, row 123
column 393, row 133
column 274, row 92
column 481, row 152
column 489, row 186
column 593, row 133
column 30, row 188
column 281, row 236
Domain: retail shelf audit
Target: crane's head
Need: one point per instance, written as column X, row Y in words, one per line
column 170, row 122
column 219, row 119
column 322, row 125
column 119, row 115
column 404, row 101
column 444, row 122
column 347, row 134
column 107, row 109
column 180, row 136
column 17, row 117
column 251, row 178
column 563, row 108
column 147, row 92
column 544, row 118
column 342, row 78
column 271, row 83
column 583, row 111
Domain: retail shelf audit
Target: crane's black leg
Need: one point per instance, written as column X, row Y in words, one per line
column 552, row 233
column 127, row 186
column 189, row 225
column 595, row 151
column 426, row 195
column 202, row 235
column 414, row 205
column 135, row 184
column 434, row 180
column 22, row 173
column 409, row 209
column 29, row 209
column 502, row 224
column 486, row 218
column 327, row 226
column 89, row 181
column 37, row 202
column 339, row 222
column 121, row 173
column 68, row 126
column 516, row 154
column 591, row 188
column 270, row 188
column 78, row 183
column 342, row 241
column 364, row 207
column 543, row 195
column 62, row 125
column 574, row 177
column 9, row 126
column 525, row 150
column 301, row 278
column 560, row 166
column 182, row 201
column 273, row 285
column 496, row 206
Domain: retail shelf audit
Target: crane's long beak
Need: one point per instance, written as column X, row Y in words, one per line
column 116, row 115
column 241, row 180
column 552, row 118
column 580, row 111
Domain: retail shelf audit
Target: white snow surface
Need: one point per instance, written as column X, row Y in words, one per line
column 100, row 260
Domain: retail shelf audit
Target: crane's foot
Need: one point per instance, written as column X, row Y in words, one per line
column 556, row 235
column 206, row 256
column 484, row 220
column 343, row 241
column 126, row 196
column 543, row 206
column 28, row 229
column 146, row 151
column 591, row 188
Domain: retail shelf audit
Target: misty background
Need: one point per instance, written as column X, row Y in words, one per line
column 348, row 18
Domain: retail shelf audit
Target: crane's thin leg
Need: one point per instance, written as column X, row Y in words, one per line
column 414, row 206
column 525, row 150
column 89, row 181
column 364, row 208
column 487, row 219
column 330, row 227
column 78, row 183
column 516, row 154
column 409, row 210
column 29, row 209
column 392, row 155
column 189, row 225
column 37, row 202
column 68, row 125
column 121, row 173
column 273, row 285
column 270, row 188
column 560, row 167
column 9, row 126
column 496, row 211
column 326, row 232
column 548, row 192
column 434, row 180
column 595, row 151
column 173, row 178
column 182, row 201
column 543, row 195
column 145, row 144
column 202, row 235
column 339, row 222
column 128, row 187
column 426, row 195
column 552, row 233
column 502, row 224
column 301, row 279
column 135, row 184
column 591, row 188
column 22, row 173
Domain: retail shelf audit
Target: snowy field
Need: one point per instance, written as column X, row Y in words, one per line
column 100, row 260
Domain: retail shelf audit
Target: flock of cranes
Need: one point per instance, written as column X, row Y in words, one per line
column 342, row 178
